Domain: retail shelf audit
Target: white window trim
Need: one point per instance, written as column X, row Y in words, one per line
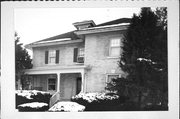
column 79, row 51
column 109, row 74
column 48, row 83
column 80, row 56
column 49, row 57
column 110, row 56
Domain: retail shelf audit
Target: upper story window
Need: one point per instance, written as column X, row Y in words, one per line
column 114, row 48
column 79, row 55
column 80, row 52
column 52, row 57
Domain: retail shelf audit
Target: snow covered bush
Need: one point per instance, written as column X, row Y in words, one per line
column 30, row 93
column 28, row 96
column 67, row 107
column 95, row 98
column 33, row 106
column 99, row 101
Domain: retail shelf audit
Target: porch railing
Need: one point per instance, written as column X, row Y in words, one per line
column 55, row 98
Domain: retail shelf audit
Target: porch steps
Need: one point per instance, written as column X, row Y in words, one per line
column 54, row 99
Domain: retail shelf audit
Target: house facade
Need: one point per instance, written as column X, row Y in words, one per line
column 83, row 60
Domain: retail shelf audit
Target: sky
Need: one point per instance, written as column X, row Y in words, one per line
column 33, row 24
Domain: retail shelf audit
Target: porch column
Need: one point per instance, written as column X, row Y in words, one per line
column 82, row 81
column 58, row 82
column 19, row 84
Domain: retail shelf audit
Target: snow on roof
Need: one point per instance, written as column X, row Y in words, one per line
column 121, row 24
column 34, row 105
column 57, row 40
column 116, row 21
column 66, row 35
column 67, row 107
column 84, row 22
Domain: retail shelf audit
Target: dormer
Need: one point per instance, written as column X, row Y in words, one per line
column 84, row 24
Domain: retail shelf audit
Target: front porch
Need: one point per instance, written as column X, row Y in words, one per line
column 63, row 83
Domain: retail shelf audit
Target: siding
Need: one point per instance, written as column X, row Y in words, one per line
column 96, row 55
column 65, row 54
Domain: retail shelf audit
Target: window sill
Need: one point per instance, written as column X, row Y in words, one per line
column 78, row 63
column 113, row 57
column 51, row 64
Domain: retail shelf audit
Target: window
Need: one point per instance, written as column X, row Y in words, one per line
column 115, row 47
column 81, row 52
column 112, row 76
column 51, row 84
column 52, row 57
column 79, row 55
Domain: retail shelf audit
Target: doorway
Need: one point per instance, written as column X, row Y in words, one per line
column 78, row 85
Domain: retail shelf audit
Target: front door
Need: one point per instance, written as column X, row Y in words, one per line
column 78, row 85
column 70, row 85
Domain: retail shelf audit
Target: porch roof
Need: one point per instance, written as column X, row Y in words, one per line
column 56, row 69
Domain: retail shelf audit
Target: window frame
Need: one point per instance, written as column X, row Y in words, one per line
column 49, row 57
column 79, row 50
column 78, row 54
column 52, row 84
column 110, row 48
column 110, row 74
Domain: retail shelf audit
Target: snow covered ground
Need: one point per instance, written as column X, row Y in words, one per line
column 67, row 107
column 34, row 105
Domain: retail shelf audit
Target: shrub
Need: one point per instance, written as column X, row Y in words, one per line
column 41, row 97
column 21, row 100
column 155, row 107
column 99, row 101
column 33, row 106
column 29, row 96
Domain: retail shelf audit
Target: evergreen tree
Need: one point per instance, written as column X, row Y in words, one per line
column 22, row 59
column 144, row 60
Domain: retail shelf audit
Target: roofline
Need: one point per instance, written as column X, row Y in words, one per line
column 57, row 40
column 116, row 21
column 54, row 69
column 84, row 22
column 32, row 45
column 101, row 29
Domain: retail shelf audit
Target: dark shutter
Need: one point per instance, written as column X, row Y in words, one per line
column 46, row 57
column 57, row 56
column 75, row 54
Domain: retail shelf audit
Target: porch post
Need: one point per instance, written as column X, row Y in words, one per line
column 58, row 82
column 82, row 81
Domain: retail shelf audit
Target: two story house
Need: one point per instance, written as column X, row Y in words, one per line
column 83, row 60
